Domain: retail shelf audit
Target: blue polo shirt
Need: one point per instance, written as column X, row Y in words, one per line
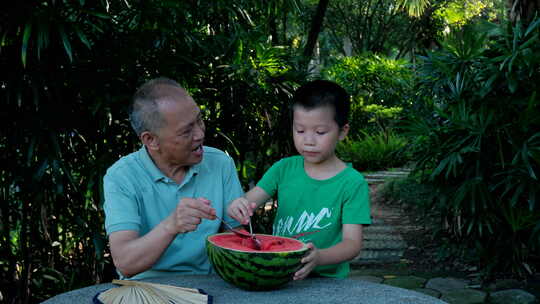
column 138, row 196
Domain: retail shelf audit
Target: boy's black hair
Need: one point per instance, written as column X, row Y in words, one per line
column 320, row 93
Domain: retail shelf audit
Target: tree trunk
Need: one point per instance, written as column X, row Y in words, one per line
column 316, row 25
column 523, row 10
column 273, row 24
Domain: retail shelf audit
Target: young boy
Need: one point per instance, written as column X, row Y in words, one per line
column 320, row 199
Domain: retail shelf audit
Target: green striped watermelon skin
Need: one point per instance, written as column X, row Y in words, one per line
column 254, row 270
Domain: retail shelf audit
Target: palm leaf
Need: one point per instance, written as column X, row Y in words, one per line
column 414, row 8
column 65, row 41
column 26, row 38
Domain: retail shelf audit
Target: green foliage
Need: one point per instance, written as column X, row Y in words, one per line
column 67, row 72
column 378, row 26
column 69, row 68
column 413, row 7
column 380, row 88
column 480, row 145
column 459, row 13
column 374, row 152
column 409, row 192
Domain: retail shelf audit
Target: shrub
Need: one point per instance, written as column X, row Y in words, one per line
column 374, row 152
column 380, row 88
column 480, row 147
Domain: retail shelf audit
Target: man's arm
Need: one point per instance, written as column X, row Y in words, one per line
column 133, row 254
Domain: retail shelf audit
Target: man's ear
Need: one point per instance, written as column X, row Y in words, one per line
column 344, row 131
column 149, row 140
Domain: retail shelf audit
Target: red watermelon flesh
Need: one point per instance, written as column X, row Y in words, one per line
column 270, row 243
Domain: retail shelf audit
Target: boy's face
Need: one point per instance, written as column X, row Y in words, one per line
column 316, row 133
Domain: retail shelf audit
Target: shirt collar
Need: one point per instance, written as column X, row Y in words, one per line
column 156, row 173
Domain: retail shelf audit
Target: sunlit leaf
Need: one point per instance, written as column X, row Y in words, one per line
column 414, row 8
column 50, row 278
column 65, row 41
column 42, row 38
column 239, row 52
column 82, row 36
column 25, row 40
column 97, row 14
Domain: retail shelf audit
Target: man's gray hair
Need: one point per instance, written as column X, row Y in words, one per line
column 144, row 114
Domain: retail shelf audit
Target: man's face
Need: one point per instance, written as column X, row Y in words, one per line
column 181, row 138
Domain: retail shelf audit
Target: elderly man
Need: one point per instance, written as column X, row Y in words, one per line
column 161, row 201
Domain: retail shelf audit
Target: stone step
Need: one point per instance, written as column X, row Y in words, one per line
column 382, row 243
column 390, row 229
column 378, row 225
column 382, row 222
column 381, row 176
column 368, row 256
column 386, row 175
column 371, row 238
column 387, row 244
column 379, row 229
column 383, row 237
column 376, row 222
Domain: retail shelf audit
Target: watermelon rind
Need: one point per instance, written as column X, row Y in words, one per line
column 254, row 270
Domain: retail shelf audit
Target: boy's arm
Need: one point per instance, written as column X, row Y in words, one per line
column 257, row 195
column 241, row 209
column 345, row 250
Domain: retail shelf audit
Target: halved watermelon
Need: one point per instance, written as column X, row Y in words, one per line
column 237, row 262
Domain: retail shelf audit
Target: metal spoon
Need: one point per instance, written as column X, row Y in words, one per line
column 229, row 227
column 256, row 242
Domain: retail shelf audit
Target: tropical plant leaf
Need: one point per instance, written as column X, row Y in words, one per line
column 25, row 41
column 481, row 150
column 42, row 38
column 82, row 36
column 65, row 41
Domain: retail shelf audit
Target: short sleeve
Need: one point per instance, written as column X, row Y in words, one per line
column 356, row 209
column 269, row 181
column 120, row 207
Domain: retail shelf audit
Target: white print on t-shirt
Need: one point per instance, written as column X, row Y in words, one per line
column 288, row 225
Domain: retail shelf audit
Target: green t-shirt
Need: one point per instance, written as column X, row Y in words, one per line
column 306, row 205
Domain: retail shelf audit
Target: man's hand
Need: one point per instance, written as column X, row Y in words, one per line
column 133, row 254
column 188, row 215
column 310, row 261
column 241, row 210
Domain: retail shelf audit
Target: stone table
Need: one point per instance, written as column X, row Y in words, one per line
column 312, row 290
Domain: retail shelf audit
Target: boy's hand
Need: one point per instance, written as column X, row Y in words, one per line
column 241, row 210
column 310, row 261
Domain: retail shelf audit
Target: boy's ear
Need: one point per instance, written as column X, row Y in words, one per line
column 344, row 131
column 149, row 140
